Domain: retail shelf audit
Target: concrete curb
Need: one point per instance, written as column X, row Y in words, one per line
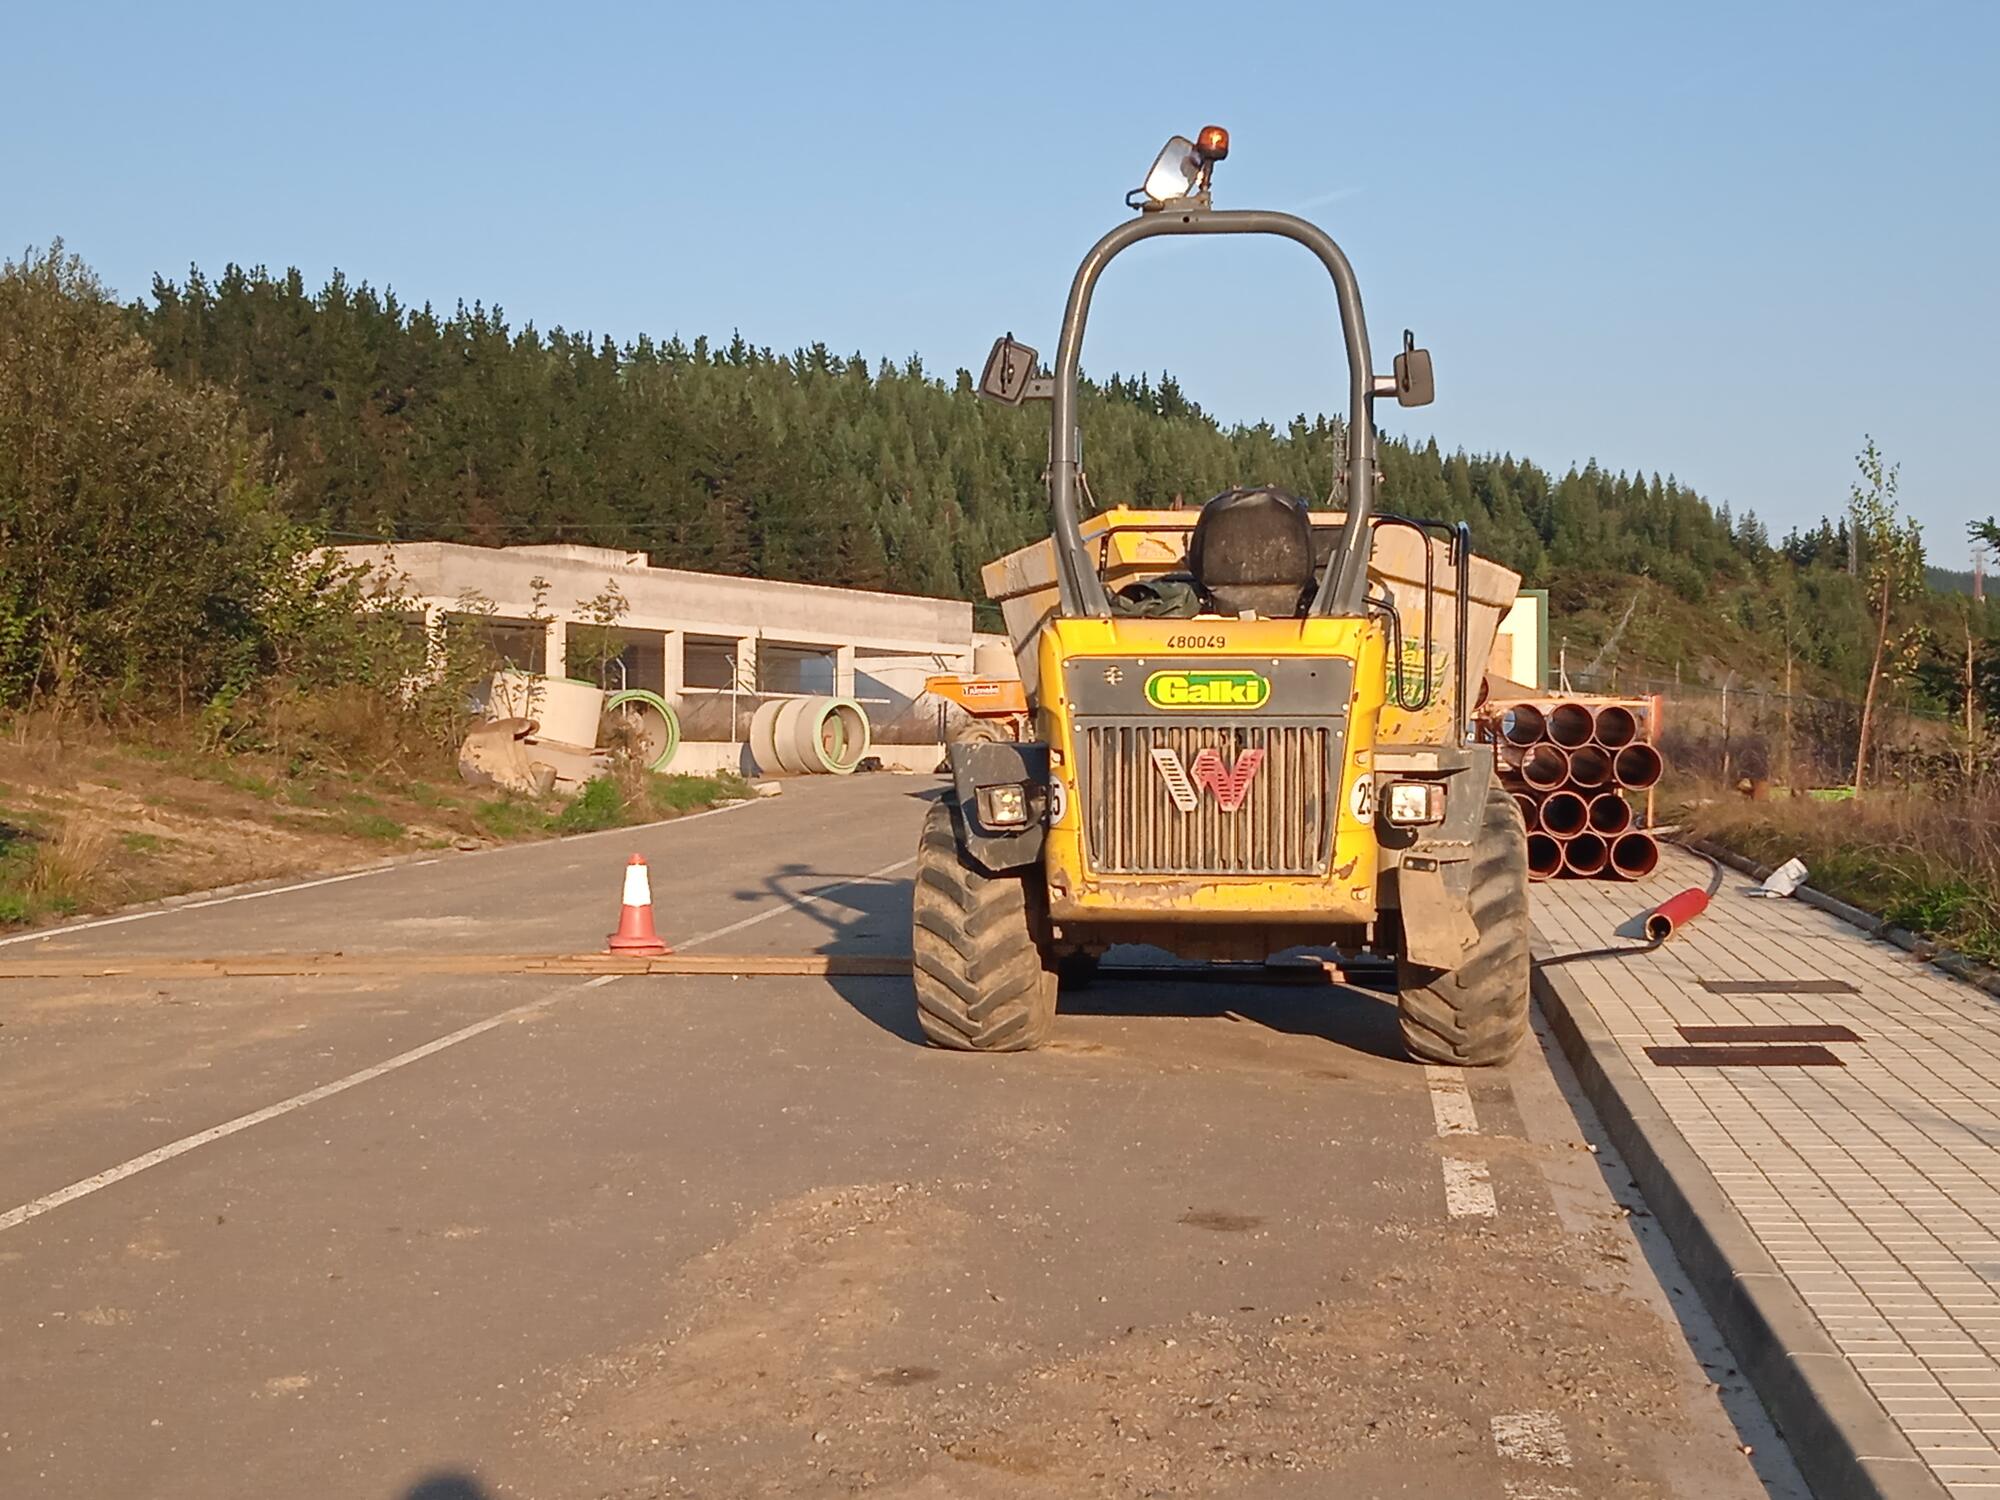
column 1845, row 1444
column 1954, row 963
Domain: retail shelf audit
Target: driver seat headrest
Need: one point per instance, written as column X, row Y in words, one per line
column 1252, row 550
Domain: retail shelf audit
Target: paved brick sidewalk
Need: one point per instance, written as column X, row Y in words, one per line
column 1874, row 1186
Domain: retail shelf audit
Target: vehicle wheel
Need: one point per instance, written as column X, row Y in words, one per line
column 984, row 979
column 979, row 732
column 1476, row 1014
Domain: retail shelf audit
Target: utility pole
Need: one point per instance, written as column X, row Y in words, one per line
column 1789, row 784
column 1725, row 726
column 1971, row 720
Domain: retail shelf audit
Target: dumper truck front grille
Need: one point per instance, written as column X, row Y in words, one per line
column 1209, row 799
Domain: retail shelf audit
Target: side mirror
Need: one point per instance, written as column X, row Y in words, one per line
column 1009, row 373
column 1415, row 385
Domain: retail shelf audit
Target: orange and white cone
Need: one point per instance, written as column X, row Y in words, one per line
column 635, row 932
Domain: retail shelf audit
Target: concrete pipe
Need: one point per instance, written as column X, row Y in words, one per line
column 1638, row 767
column 840, row 735
column 1590, row 767
column 785, row 738
column 763, row 747
column 1545, row 856
column 569, row 711
column 1571, row 724
column 1610, row 814
column 1634, row 856
column 1564, row 815
column 1531, row 817
column 650, row 723
column 815, row 736
column 1545, row 767
column 1523, row 725
column 1585, row 855
column 1617, row 726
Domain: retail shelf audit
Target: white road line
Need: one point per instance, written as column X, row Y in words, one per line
column 1532, row 1437
column 187, row 1143
column 1468, row 1186
column 1516, row 1490
column 1451, row 1101
column 166, row 911
column 798, row 903
column 1468, row 1189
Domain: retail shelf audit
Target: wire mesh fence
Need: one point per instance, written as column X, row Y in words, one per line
column 1735, row 734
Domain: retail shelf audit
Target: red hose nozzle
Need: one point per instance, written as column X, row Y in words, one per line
column 1674, row 912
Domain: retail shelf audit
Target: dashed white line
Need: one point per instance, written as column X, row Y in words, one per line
column 187, row 1143
column 1451, row 1101
column 1468, row 1186
column 97, row 1183
column 1468, row 1189
column 797, row 903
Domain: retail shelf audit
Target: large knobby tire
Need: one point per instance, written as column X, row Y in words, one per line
column 1475, row 1015
column 984, row 978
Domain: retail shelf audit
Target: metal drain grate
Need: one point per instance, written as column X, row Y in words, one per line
column 1780, row 1056
column 1766, row 1034
column 1779, row 987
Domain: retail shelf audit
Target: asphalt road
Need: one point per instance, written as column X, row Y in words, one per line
column 634, row 1237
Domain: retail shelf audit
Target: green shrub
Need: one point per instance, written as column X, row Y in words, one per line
column 369, row 825
column 510, row 817
column 673, row 794
column 1928, row 864
column 601, row 804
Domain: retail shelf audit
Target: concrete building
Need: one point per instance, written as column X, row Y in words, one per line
column 713, row 646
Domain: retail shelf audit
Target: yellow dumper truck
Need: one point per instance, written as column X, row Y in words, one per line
column 1248, row 724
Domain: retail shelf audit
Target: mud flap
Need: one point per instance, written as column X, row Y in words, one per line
column 1435, row 896
column 1003, row 763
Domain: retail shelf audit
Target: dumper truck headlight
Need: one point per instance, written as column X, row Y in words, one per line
column 1413, row 803
column 1003, row 806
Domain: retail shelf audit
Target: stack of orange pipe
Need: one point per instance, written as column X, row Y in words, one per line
column 1570, row 766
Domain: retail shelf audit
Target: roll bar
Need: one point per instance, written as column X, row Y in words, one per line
column 1343, row 584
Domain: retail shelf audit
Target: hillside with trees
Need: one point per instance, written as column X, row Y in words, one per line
column 276, row 417
column 391, row 421
column 171, row 470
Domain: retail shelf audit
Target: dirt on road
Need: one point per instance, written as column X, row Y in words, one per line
column 687, row 1237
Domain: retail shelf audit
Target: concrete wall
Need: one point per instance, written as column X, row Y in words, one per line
column 747, row 639
column 670, row 599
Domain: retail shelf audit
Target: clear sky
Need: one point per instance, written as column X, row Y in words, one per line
column 1721, row 241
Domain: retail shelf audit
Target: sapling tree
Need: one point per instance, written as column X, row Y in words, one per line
column 1890, row 555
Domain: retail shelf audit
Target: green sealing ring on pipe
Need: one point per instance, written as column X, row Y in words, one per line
column 839, row 734
column 661, row 735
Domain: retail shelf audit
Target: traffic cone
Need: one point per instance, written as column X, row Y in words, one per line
column 635, row 932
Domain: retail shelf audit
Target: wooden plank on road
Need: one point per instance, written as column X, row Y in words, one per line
column 391, row 965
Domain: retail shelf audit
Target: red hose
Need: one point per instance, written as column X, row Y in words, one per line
column 1674, row 912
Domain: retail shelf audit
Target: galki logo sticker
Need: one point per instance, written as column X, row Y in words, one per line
column 1204, row 689
column 1230, row 784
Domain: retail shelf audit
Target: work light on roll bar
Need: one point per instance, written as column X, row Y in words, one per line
column 1182, row 170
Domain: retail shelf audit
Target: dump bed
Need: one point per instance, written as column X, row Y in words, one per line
column 1131, row 545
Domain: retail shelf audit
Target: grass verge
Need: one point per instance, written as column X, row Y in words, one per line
column 85, row 826
column 1925, row 864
